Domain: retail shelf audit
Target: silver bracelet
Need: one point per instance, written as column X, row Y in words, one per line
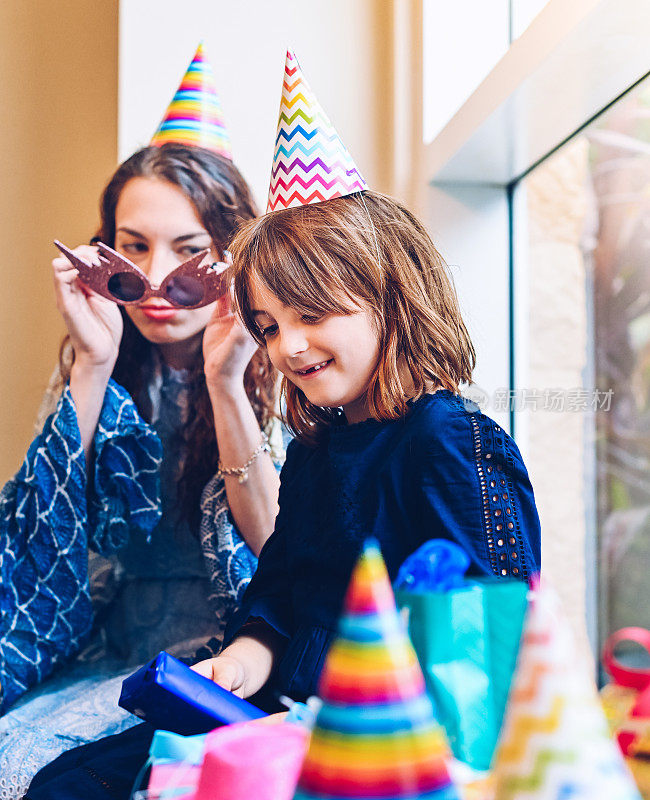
column 242, row 472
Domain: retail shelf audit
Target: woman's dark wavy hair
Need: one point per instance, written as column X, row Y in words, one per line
column 223, row 201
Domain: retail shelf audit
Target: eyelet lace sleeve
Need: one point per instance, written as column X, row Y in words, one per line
column 477, row 493
column 510, row 520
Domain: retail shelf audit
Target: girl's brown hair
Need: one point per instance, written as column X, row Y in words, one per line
column 223, row 201
column 328, row 257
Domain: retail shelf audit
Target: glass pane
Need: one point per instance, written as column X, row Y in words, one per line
column 582, row 352
column 620, row 166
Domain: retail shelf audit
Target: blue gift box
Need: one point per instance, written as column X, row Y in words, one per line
column 172, row 697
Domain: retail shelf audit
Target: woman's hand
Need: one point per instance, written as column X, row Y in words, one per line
column 227, row 348
column 253, row 502
column 95, row 327
column 225, row 670
column 93, row 322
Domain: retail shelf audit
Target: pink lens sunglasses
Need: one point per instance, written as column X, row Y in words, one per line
column 191, row 285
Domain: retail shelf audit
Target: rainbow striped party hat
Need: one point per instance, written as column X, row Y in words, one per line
column 555, row 744
column 310, row 163
column 194, row 116
column 375, row 735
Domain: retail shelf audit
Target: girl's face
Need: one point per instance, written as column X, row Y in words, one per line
column 158, row 228
column 330, row 358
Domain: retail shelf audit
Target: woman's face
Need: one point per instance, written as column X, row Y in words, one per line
column 158, row 228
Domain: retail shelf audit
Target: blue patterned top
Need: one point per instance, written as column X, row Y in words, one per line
column 50, row 517
column 161, row 601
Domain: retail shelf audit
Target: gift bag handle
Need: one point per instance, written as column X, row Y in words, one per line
column 625, row 676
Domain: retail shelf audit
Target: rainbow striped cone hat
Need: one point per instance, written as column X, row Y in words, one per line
column 555, row 743
column 375, row 735
column 310, row 163
column 194, row 116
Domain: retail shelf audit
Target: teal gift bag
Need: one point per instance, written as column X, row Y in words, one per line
column 467, row 641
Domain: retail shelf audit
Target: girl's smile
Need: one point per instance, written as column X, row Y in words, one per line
column 331, row 358
column 307, row 372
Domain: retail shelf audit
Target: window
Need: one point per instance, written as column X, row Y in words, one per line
column 582, row 352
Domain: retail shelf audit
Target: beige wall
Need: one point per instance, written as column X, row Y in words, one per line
column 58, row 144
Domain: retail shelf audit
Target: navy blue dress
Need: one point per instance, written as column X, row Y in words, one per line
column 444, row 470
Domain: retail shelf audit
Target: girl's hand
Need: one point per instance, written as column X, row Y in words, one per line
column 93, row 322
column 225, row 670
column 227, row 347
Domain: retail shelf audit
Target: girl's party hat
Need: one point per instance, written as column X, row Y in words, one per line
column 194, row 116
column 375, row 735
column 310, row 162
column 554, row 742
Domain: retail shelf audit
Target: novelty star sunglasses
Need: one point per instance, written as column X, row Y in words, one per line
column 191, row 285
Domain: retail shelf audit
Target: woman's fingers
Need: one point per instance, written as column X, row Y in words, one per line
column 62, row 266
column 223, row 308
column 93, row 322
column 66, row 274
column 89, row 253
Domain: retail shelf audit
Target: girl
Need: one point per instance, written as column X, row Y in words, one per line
column 356, row 309
column 158, row 414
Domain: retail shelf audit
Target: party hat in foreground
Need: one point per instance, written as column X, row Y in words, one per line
column 554, row 742
column 194, row 116
column 310, row 162
column 375, row 735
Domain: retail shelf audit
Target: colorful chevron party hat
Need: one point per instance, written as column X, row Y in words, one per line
column 375, row 735
column 554, row 743
column 310, row 162
column 194, row 116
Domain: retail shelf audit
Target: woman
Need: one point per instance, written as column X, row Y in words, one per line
column 156, row 454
